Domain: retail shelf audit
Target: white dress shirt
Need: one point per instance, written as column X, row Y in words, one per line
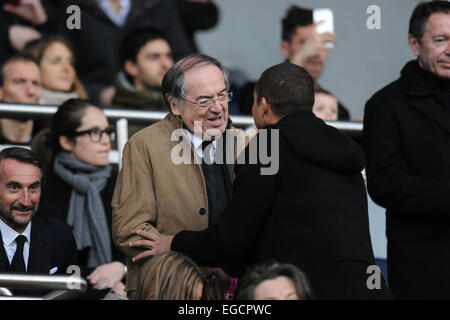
column 9, row 236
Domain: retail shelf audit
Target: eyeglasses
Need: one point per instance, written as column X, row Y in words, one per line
column 208, row 102
column 96, row 134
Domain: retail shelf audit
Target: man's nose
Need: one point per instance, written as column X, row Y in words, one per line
column 322, row 55
column 31, row 89
column 217, row 106
column 25, row 199
column 166, row 62
column 447, row 51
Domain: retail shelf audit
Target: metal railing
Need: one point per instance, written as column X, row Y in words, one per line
column 61, row 287
column 124, row 116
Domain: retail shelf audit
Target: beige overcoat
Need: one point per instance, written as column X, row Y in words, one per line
column 155, row 193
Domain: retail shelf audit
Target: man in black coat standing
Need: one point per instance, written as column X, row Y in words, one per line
column 407, row 137
column 307, row 207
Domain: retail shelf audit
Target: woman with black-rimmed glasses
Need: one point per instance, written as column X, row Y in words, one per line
column 79, row 187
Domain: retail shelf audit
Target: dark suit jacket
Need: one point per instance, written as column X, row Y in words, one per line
column 407, row 144
column 311, row 213
column 52, row 245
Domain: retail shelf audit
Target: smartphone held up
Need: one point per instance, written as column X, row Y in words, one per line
column 323, row 17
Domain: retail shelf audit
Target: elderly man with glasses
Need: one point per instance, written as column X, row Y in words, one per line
column 177, row 174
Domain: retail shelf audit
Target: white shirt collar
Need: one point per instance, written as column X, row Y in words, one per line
column 120, row 17
column 9, row 235
column 197, row 144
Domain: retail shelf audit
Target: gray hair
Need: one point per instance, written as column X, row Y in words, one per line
column 174, row 82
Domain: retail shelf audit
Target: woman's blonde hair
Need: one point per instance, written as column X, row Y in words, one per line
column 169, row 276
column 38, row 47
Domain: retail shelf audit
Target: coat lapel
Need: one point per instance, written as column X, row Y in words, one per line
column 422, row 95
column 429, row 106
column 39, row 260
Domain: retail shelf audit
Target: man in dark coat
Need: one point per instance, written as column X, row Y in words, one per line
column 407, row 137
column 31, row 242
column 311, row 211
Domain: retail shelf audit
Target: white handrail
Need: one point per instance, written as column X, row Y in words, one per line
column 60, row 286
column 123, row 116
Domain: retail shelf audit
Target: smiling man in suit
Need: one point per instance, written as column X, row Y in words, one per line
column 32, row 243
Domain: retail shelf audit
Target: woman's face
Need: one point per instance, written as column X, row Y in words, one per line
column 280, row 288
column 83, row 148
column 58, row 72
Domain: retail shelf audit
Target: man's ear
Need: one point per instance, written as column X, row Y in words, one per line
column 414, row 44
column 175, row 110
column 131, row 68
column 285, row 49
column 267, row 113
column 264, row 106
column 66, row 144
column 1, row 94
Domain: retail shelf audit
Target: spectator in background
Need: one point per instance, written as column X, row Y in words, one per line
column 170, row 276
column 273, row 281
column 407, row 138
column 197, row 15
column 303, row 46
column 145, row 56
column 325, row 105
column 20, row 82
column 30, row 242
column 79, row 187
column 56, row 61
column 103, row 25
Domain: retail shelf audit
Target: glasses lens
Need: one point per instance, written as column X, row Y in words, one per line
column 95, row 134
column 205, row 103
column 226, row 97
column 110, row 132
